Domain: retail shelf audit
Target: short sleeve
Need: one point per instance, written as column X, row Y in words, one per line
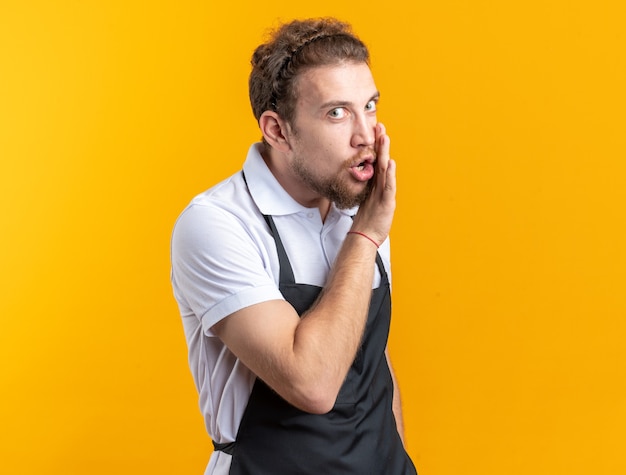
column 218, row 265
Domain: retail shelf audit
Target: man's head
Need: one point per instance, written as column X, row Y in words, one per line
column 314, row 96
column 294, row 48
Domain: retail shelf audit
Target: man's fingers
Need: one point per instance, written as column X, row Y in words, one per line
column 382, row 151
column 382, row 155
column 390, row 182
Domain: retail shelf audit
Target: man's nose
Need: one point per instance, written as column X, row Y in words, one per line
column 364, row 134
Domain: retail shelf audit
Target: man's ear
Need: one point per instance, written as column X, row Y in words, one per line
column 275, row 131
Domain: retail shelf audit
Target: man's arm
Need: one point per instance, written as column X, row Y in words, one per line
column 306, row 360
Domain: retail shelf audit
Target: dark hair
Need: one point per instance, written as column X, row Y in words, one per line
column 291, row 49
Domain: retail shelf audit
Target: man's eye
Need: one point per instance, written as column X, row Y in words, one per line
column 338, row 113
column 371, row 106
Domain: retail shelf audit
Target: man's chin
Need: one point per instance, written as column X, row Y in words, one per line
column 345, row 201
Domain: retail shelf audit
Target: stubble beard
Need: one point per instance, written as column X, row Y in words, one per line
column 333, row 188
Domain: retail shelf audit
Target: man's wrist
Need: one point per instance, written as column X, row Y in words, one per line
column 366, row 237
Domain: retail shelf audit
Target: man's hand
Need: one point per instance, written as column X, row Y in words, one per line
column 376, row 212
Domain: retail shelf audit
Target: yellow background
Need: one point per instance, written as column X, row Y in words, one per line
column 508, row 124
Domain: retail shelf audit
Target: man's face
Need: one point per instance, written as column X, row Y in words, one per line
column 332, row 135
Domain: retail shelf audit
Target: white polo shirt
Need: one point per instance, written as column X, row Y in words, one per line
column 224, row 259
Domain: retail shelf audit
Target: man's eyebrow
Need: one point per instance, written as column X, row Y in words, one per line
column 339, row 103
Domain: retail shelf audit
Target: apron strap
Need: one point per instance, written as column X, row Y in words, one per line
column 227, row 447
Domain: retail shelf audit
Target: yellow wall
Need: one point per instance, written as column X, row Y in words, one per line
column 508, row 125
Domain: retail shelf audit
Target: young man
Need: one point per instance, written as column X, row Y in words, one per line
column 281, row 272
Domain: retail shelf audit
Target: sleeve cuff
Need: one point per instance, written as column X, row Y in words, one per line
column 236, row 302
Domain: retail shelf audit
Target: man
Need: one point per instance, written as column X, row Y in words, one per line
column 281, row 272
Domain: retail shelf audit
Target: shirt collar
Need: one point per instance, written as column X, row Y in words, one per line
column 267, row 193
